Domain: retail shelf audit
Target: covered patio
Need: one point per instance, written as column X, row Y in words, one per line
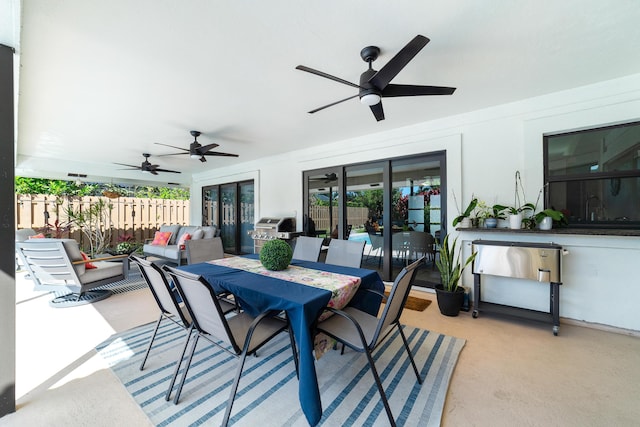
column 101, row 86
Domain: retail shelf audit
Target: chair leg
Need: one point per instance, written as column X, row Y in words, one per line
column 234, row 388
column 293, row 348
column 186, row 369
column 153, row 337
column 413, row 363
column 383, row 395
column 178, row 364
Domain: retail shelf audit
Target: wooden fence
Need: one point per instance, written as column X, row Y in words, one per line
column 139, row 218
column 320, row 215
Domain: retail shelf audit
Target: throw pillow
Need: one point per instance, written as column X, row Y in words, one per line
column 198, row 234
column 37, row 236
column 183, row 238
column 87, row 265
column 161, row 238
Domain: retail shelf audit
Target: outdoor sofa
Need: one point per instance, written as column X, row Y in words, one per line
column 172, row 247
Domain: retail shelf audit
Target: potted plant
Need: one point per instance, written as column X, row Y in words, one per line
column 449, row 294
column 492, row 214
column 546, row 218
column 464, row 218
column 520, row 206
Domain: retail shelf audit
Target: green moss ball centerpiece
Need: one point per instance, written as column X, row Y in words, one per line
column 276, row 255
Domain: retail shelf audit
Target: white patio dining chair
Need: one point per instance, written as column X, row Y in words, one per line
column 202, row 250
column 346, row 253
column 307, row 248
column 241, row 335
column 363, row 332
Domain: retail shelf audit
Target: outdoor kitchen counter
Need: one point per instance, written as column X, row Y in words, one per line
column 560, row 231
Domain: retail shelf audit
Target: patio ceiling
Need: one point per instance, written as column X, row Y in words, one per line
column 103, row 82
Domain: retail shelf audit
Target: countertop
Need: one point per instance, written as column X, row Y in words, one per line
column 560, row 231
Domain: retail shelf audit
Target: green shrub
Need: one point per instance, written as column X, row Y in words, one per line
column 276, row 255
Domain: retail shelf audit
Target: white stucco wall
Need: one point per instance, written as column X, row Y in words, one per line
column 484, row 149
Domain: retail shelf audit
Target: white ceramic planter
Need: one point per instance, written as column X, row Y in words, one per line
column 546, row 223
column 515, row 221
column 465, row 223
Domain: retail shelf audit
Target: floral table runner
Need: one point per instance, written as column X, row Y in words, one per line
column 343, row 287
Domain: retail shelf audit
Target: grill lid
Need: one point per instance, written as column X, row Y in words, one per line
column 277, row 224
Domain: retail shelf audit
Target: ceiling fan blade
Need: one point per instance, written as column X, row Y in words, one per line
column 172, row 146
column 332, row 104
column 391, row 69
column 377, row 111
column 130, row 166
column 155, row 170
column 217, row 153
column 206, row 148
column 412, row 90
column 326, row 76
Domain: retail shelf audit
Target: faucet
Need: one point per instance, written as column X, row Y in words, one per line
column 587, row 210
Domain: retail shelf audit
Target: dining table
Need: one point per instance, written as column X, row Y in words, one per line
column 303, row 291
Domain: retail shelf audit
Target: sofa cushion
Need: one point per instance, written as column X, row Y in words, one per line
column 183, row 238
column 189, row 229
column 103, row 270
column 209, row 231
column 174, row 232
column 198, row 234
column 154, row 250
column 174, row 252
column 161, row 238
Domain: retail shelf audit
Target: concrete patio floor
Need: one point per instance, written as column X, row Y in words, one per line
column 509, row 373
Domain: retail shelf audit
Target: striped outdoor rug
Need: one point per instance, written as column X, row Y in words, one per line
column 268, row 391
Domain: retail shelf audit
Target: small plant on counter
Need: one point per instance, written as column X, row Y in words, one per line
column 557, row 216
column 520, row 205
column 467, row 212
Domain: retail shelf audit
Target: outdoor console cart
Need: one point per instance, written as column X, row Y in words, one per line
column 533, row 261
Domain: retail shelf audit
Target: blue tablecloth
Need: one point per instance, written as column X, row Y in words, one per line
column 257, row 293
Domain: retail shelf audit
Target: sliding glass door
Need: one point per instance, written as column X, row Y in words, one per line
column 393, row 205
column 231, row 207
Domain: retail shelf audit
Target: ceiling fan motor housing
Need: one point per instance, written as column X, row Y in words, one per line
column 368, row 89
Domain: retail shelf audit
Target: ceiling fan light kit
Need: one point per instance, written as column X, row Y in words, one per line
column 370, row 99
column 374, row 85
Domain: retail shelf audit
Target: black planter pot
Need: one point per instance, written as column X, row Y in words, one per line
column 450, row 303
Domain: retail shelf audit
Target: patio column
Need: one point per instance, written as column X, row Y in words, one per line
column 7, row 237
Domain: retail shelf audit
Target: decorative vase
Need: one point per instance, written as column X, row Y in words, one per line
column 465, row 223
column 491, row 222
column 450, row 302
column 515, row 221
column 546, row 223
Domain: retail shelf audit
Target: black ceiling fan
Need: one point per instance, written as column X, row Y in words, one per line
column 197, row 150
column 146, row 166
column 328, row 177
column 374, row 85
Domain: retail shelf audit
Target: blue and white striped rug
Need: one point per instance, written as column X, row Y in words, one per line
column 268, row 391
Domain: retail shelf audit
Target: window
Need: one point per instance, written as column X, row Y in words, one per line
column 593, row 176
column 231, row 207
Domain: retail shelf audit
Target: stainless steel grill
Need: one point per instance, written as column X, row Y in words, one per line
column 273, row 228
